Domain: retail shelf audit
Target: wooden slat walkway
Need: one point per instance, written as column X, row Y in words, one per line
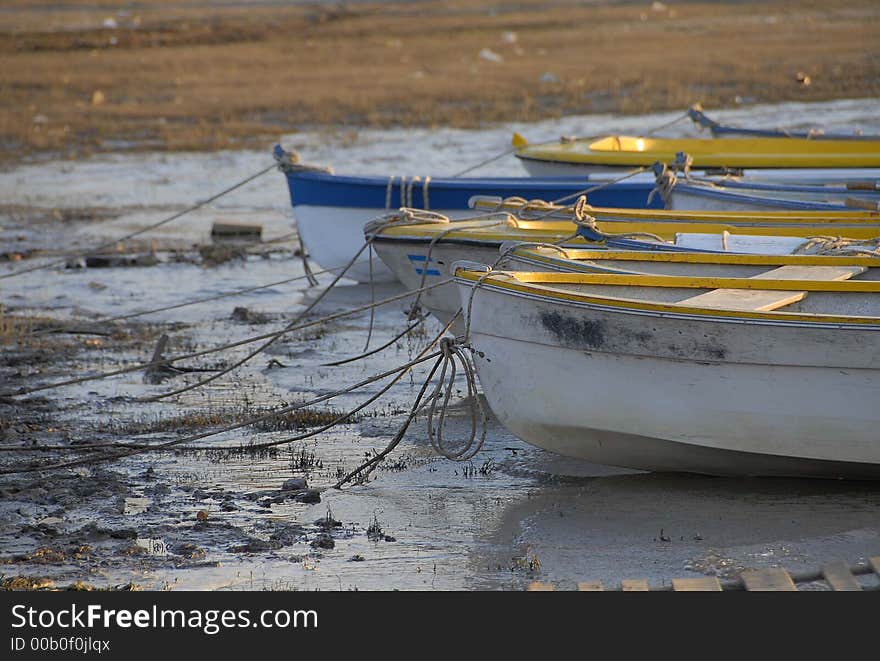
column 839, row 576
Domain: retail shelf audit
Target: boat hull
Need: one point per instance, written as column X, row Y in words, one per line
column 669, row 394
column 684, row 197
column 331, row 210
column 333, row 235
column 539, row 168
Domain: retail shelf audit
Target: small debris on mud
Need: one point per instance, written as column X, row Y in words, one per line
column 323, row 541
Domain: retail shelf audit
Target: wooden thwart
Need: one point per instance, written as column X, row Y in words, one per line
column 765, row 300
column 762, row 580
column 708, row 584
column 839, row 578
column 590, row 586
column 634, row 585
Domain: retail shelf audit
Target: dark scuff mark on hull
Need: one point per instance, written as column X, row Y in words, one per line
column 573, row 331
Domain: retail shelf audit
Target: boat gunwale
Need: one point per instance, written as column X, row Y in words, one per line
column 738, row 259
column 524, row 284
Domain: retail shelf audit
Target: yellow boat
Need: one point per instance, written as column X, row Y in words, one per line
column 622, row 151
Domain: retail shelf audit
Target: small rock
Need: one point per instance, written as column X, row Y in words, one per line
column 549, row 77
column 323, row 541
column 189, row 551
column 803, row 78
column 110, row 23
column 295, row 484
column 240, row 314
column 389, row 538
column 202, row 515
column 356, row 558
column 509, row 37
column 311, row 496
column 491, row 56
column 98, row 98
column 256, row 546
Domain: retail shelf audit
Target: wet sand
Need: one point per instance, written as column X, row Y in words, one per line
column 513, row 515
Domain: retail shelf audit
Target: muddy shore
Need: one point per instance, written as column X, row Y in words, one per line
column 82, row 78
column 230, row 518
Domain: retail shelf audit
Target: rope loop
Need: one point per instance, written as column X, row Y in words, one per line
column 455, row 357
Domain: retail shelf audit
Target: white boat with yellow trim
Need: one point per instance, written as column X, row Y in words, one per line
column 422, row 253
column 569, row 156
column 722, row 376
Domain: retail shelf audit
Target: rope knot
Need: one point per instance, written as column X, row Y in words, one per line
column 289, row 161
column 581, row 217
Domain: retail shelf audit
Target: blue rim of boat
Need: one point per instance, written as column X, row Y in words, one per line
column 309, row 187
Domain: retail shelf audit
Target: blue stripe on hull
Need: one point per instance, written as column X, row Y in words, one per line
column 322, row 189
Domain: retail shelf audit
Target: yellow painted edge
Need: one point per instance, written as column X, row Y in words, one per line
column 580, row 254
column 856, row 216
column 717, row 216
column 664, row 230
column 531, row 283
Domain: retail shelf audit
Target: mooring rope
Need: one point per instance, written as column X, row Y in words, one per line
column 491, row 159
column 143, row 230
column 394, row 339
column 176, row 306
column 224, row 347
column 132, row 449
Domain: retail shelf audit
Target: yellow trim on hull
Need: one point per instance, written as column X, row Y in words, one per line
column 630, row 151
column 666, row 215
column 737, row 259
column 553, row 229
column 541, row 284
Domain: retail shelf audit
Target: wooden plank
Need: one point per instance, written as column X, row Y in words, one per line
column 875, row 564
column 756, row 300
column 236, row 231
column 707, row 584
column 634, row 585
column 768, row 580
column 839, row 577
column 752, row 300
column 538, row 586
column 811, row 272
column 590, row 586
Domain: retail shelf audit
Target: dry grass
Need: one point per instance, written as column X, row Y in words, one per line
column 201, row 419
column 224, row 78
column 15, row 327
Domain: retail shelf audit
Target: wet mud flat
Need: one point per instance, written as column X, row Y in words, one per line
column 221, row 516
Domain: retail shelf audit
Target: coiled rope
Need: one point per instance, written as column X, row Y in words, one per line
column 838, row 245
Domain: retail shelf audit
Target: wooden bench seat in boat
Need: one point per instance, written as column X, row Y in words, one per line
column 761, row 300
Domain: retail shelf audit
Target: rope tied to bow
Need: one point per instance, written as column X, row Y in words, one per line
column 290, row 161
column 666, row 177
column 591, row 230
